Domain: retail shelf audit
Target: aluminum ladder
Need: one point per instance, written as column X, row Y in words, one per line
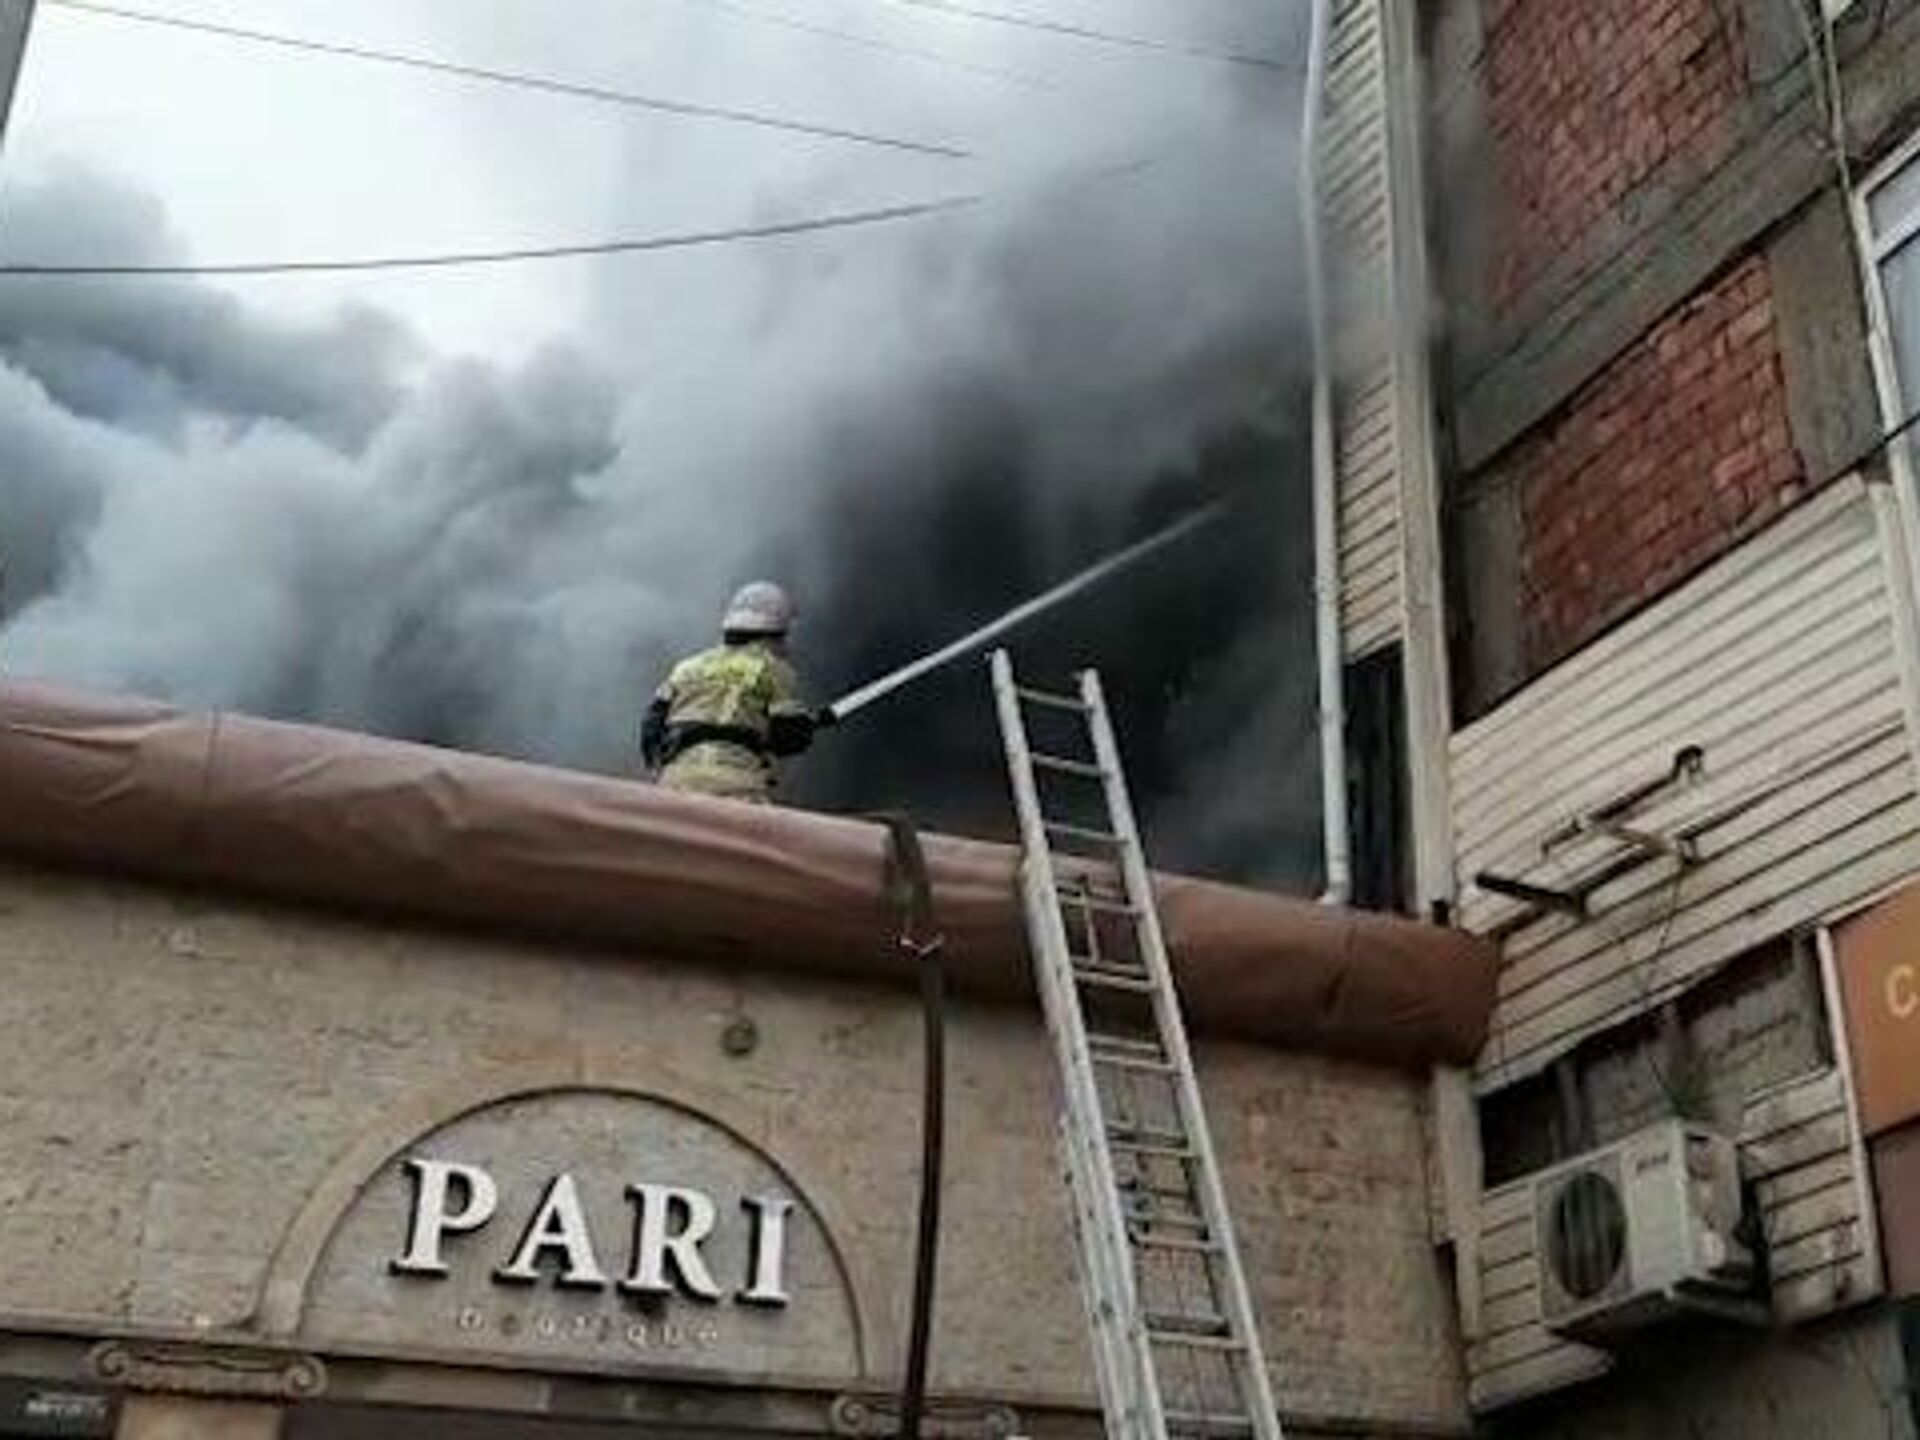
column 1175, row 1346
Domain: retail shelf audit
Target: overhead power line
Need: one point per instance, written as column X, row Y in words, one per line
column 680, row 240
column 597, row 93
column 1103, row 37
column 869, row 42
column 684, row 240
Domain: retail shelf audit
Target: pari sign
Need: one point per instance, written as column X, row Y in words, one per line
column 667, row 1228
column 594, row 1227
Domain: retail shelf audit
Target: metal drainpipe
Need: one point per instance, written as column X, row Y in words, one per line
column 1338, row 836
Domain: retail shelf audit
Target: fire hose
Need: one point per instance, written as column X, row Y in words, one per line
column 911, row 891
column 893, row 680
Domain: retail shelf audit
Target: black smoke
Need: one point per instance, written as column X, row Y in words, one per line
column 914, row 429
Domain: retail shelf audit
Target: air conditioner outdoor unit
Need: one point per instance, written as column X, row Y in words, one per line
column 1640, row 1231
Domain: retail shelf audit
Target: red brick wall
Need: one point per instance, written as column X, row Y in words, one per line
column 1674, row 452
column 1588, row 101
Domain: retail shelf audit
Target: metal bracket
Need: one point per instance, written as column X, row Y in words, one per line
column 871, row 1417
column 1564, row 901
column 1608, row 821
column 184, row 1368
column 1605, row 819
column 1683, row 848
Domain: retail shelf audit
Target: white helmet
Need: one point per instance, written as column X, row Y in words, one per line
column 761, row 608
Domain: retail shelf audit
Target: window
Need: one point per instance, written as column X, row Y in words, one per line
column 1757, row 1024
column 1889, row 217
column 1377, row 796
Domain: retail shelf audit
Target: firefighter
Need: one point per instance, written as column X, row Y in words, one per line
column 725, row 717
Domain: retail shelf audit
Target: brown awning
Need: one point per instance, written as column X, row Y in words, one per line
column 340, row 819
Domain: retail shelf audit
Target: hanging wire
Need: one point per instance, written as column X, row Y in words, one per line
column 680, row 240
column 519, row 80
column 684, row 240
column 1102, row 37
column 870, row 42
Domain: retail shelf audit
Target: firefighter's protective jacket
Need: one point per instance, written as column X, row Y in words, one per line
column 722, row 719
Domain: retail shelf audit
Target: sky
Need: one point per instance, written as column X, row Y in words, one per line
column 486, row 506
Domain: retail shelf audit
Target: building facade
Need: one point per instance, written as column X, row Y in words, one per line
column 1630, row 293
column 353, row 1089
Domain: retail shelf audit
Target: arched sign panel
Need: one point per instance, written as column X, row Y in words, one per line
column 591, row 1227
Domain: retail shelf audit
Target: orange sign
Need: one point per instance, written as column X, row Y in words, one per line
column 1879, row 954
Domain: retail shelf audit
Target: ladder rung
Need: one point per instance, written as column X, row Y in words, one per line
column 1081, row 832
column 1070, row 896
column 1199, row 1342
column 1065, row 766
column 1052, row 701
column 1163, row 1152
column 1159, row 1323
column 1114, row 978
column 1134, row 1062
column 1179, row 1219
column 1126, row 1042
column 1148, row 1241
column 1145, row 1134
column 1154, row 1194
column 1193, row 1423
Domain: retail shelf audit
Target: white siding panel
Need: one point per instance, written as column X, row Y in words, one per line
column 1780, row 663
column 1370, row 540
column 1790, row 828
column 1716, row 635
column 1796, row 1145
column 1356, row 211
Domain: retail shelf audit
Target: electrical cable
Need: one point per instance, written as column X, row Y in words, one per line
column 596, row 93
column 1678, row 1103
column 1102, row 37
column 684, row 240
column 1884, row 441
column 1638, row 970
column 870, row 42
column 681, row 240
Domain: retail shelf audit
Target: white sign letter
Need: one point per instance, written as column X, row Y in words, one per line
column 557, row 1224
column 654, row 1245
column 432, row 1220
column 768, row 1286
column 1903, row 999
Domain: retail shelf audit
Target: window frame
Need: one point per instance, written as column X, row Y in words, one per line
column 1898, row 402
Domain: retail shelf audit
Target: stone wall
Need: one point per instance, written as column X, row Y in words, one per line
column 1654, row 336
column 1677, row 451
column 185, row 1074
column 1586, row 104
column 1841, row 1379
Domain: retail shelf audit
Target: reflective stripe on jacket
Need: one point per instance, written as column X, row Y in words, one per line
column 743, row 688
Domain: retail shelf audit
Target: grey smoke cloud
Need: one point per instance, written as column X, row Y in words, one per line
column 913, row 427
column 148, row 354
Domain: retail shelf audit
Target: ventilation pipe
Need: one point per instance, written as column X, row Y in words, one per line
column 1338, row 838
